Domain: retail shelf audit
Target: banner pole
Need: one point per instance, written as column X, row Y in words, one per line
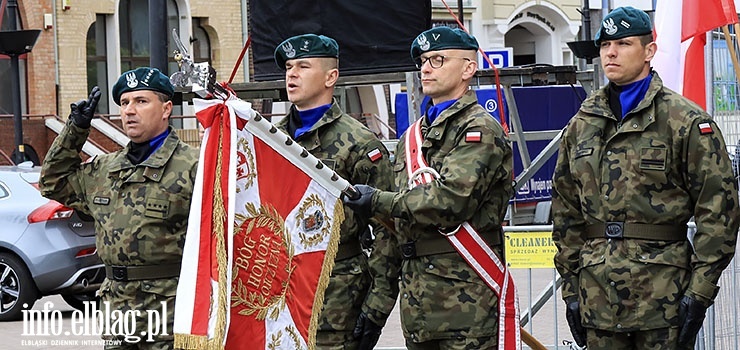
column 731, row 48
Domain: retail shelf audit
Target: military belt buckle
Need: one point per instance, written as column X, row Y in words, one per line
column 408, row 250
column 119, row 273
column 614, row 229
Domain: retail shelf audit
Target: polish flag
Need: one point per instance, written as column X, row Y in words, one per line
column 680, row 30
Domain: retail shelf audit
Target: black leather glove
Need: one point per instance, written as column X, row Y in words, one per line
column 362, row 203
column 691, row 316
column 367, row 238
column 367, row 332
column 83, row 110
column 573, row 316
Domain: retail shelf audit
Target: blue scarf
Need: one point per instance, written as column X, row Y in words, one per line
column 157, row 142
column 434, row 111
column 309, row 117
column 633, row 93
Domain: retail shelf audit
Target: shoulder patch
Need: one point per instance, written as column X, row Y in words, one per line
column 705, row 128
column 473, row 136
column 375, row 155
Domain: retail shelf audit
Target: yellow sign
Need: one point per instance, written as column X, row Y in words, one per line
column 529, row 250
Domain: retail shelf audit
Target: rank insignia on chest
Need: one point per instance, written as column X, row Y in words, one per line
column 705, row 128
column 473, row 136
column 101, row 200
column 374, row 155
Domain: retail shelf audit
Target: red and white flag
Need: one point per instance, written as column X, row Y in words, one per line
column 259, row 249
column 680, row 29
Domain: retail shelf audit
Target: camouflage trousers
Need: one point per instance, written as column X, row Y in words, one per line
column 654, row 339
column 348, row 286
column 141, row 313
column 455, row 344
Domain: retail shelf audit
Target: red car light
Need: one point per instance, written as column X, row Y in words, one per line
column 52, row 210
column 86, row 252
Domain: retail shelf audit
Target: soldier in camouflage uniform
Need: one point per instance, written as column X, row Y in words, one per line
column 139, row 197
column 444, row 303
column 361, row 293
column 635, row 164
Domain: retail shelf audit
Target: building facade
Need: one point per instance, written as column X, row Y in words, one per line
column 90, row 42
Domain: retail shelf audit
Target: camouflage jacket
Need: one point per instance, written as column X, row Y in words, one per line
column 346, row 145
column 665, row 162
column 140, row 211
column 475, row 185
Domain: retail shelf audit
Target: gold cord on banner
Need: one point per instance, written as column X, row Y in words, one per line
column 219, row 218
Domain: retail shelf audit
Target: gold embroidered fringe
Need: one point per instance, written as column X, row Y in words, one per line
column 190, row 341
column 331, row 252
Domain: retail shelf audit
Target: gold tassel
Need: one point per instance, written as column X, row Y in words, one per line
column 331, row 253
column 190, row 341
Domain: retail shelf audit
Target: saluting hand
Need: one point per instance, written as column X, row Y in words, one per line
column 83, row 110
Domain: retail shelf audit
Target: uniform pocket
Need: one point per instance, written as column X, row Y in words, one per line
column 162, row 287
column 659, row 271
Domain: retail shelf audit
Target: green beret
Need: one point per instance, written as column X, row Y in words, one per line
column 306, row 45
column 442, row 38
column 623, row 22
column 142, row 78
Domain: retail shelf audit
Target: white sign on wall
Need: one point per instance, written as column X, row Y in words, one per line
column 503, row 57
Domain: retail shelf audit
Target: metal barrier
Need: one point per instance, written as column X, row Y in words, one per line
column 544, row 315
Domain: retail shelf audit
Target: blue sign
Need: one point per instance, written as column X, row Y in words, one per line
column 540, row 108
column 500, row 58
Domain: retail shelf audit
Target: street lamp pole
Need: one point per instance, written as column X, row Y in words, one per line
column 16, row 87
column 15, row 43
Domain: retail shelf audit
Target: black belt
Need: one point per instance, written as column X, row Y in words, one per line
column 148, row 272
column 440, row 245
column 620, row 230
column 348, row 250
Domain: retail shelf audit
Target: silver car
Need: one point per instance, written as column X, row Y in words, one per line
column 45, row 247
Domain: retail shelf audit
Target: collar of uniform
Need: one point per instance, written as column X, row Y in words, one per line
column 329, row 116
column 158, row 159
column 436, row 129
column 598, row 105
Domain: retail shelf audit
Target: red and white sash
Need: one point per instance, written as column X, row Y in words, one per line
column 472, row 248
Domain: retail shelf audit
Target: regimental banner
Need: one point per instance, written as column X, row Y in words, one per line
column 529, row 250
column 256, row 282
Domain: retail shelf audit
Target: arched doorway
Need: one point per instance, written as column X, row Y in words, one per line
column 538, row 33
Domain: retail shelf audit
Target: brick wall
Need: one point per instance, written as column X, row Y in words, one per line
column 35, row 134
column 68, row 65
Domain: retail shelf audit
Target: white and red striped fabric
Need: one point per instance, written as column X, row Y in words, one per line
column 680, row 30
column 258, row 281
column 472, row 247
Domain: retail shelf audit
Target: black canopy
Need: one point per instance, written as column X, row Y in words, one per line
column 374, row 36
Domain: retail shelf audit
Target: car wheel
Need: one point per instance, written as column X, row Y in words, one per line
column 77, row 301
column 16, row 288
